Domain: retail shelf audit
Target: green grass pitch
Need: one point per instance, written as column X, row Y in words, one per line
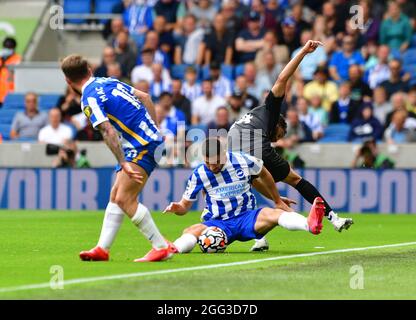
column 33, row 241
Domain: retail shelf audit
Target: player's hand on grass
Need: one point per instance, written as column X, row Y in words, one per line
column 132, row 172
column 311, row 46
column 176, row 208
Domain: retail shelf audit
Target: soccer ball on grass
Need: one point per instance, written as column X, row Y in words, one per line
column 213, row 240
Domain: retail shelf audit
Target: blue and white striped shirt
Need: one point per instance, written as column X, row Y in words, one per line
column 191, row 92
column 228, row 193
column 107, row 99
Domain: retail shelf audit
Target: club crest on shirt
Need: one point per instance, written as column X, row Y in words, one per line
column 87, row 111
column 240, row 173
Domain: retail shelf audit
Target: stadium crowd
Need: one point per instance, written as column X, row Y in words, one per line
column 206, row 63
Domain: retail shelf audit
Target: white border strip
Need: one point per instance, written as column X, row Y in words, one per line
column 205, row 267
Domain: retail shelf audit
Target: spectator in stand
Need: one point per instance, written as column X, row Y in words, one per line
column 142, row 85
column 231, row 10
column 241, row 86
column 159, row 84
column 397, row 80
column 205, row 106
column 187, row 44
column 172, row 10
column 316, row 109
column 204, row 11
column 382, row 107
column 109, row 56
column 125, row 53
column 333, row 20
column 312, row 61
column 323, row 87
column 221, row 122
column 368, row 156
column 144, row 71
column 401, row 129
column 236, row 108
column 8, row 59
column 152, row 42
column 180, row 101
column 138, row 18
column 380, row 71
column 117, row 26
column 69, row 104
column 371, row 27
column 280, row 52
column 344, row 110
column 250, row 39
column 174, row 121
column 190, row 88
column 342, row 60
column 398, row 102
column 411, row 100
column 266, row 77
column 288, row 34
column 222, row 86
column 321, row 32
column 55, row 132
column 114, row 71
column 275, row 9
column 297, row 15
column 365, row 126
column 360, row 91
column 27, row 124
column 396, row 30
column 218, row 43
column 267, row 19
column 311, row 119
column 166, row 41
column 297, row 131
column 250, row 74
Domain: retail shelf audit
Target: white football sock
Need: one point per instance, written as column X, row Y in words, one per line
column 332, row 216
column 185, row 243
column 144, row 221
column 113, row 218
column 293, row 221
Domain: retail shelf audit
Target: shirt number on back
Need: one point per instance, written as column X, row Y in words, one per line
column 123, row 93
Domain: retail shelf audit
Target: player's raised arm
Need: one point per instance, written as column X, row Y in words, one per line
column 112, row 140
column 179, row 208
column 147, row 102
column 279, row 86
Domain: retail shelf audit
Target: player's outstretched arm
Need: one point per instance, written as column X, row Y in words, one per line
column 279, row 87
column 147, row 102
column 112, row 140
column 179, row 208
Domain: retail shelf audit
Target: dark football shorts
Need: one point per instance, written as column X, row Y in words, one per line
column 277, row 166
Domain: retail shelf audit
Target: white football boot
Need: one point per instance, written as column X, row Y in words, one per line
column 260, row 245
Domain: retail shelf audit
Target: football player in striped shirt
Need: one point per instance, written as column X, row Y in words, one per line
column 126, row 118
column 226, row 178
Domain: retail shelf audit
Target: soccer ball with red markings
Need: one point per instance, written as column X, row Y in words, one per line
column 213, row 240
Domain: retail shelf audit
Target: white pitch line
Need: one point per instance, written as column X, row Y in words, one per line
column 212, row 266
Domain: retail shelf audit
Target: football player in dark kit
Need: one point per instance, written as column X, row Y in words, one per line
column 257, row 129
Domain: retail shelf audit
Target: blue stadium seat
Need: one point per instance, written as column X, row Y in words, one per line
column 239, row 70
column 5, row 131
column 409, row 56
column 7, row 115
column 48, row 101
column 77, row 6
column 413, row 42
column 105, row 6
column 204, row 72
column 178, row 71
column 14, row 101
column 336, row 133
column 227, row 71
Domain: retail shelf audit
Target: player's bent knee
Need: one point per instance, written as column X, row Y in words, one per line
column 293, row 178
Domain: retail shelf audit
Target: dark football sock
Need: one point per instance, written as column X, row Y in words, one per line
column 309, row 192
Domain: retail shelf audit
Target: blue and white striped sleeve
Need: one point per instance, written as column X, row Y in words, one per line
column 193, row 187
column 254, row 164
column 93, row 109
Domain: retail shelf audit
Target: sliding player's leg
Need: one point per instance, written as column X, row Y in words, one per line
column 309, row 192
column 187, row 241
